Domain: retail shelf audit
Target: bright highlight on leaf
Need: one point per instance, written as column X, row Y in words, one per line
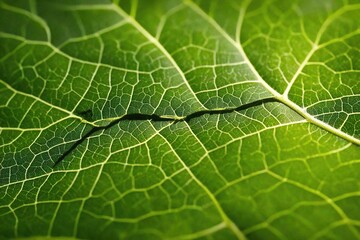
column 179, row 119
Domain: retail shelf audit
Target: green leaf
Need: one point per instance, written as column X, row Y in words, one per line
column 179, row 119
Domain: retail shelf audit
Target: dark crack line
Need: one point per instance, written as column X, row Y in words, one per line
column 229, row 110
column 156, row 118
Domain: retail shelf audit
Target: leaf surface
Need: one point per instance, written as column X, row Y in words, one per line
column 179, row 119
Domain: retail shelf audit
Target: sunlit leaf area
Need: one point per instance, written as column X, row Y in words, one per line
column 170, row 119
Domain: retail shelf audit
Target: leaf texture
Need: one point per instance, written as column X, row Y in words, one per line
column 179, row 119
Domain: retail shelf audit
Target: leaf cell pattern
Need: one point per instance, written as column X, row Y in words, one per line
column 179, row 119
